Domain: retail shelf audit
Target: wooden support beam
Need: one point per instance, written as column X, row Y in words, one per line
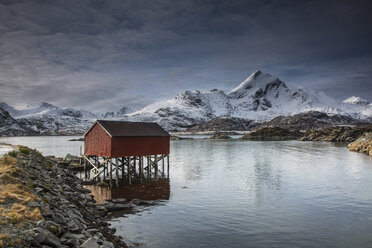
column 116, row 172
column 105, row 168
column 122, row 168
column 162, row 167
column 129, row 173
column 110, row 161
column 141, row 168
column 156, row 167
column 96, row 164
column 85, row 169
column 148, row 167
column 168, row 165
column 135, row 166
column 157, row 159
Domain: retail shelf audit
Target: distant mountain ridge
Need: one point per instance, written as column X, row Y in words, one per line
column 356, row 100
column 44, row 119
column 258, row 99
column 261, row 97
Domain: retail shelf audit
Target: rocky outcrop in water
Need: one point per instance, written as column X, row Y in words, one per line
column 337, row 133
column 224, row 124
column 272, row 134
column 45, row 205
column 302, row 121
column 310, row 120
column 363, row 144
column 220, row 136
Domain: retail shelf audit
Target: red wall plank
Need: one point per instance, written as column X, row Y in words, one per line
column 97, row 142
column 139, row 146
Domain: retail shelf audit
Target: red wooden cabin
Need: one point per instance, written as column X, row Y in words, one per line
column 115, row 139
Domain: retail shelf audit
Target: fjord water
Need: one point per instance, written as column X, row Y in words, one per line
column 251, row 194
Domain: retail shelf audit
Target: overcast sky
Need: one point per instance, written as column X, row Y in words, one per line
column 101, row 55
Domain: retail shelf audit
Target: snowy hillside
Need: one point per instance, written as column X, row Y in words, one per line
column 9, row 126
column 44, row 118
column 356, row 100
column 260, row 97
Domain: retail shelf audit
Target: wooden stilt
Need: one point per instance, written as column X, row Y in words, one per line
column 110, row 161
column 107, row 171
column 156, row 166
column 148, row 168
column 162, row 171
column 129, row 172
column 122, row 168
column 96, row 162
column 104, row 171
column 130, row 167
column 141, row 168
column 168, row 165
column 85, row 169
column 134, row 166
column 116, row 172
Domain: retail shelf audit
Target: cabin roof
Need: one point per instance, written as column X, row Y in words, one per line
column 127, row 128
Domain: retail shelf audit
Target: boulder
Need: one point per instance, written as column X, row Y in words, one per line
column 219, row 135
column 363, row 144
column 43, row 236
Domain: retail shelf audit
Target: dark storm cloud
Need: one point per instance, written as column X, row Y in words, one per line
column 101, row 55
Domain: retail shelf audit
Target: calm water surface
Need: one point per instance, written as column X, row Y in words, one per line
column 251, row 194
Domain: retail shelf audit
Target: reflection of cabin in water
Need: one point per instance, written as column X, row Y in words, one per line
column 148, row 191
column 130, row 150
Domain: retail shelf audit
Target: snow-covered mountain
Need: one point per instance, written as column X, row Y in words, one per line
column 260, row 97
column 9, row 126
column 356, row 100
column 45, row 118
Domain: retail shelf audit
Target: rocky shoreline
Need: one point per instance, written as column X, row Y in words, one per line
column 363, row 144
column 272, row 134
column 45, row 205
column 337, row 133
column 359, row 137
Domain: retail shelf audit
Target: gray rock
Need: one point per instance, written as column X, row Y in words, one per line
column 116, row 207
column 90, row 243
column 39, row 237
column 59, row 218
column 143, row 203
column 38, row 190
column 51, row 227
column 108, row 244
column 72, row 226
column 92, row 231
column 101, row 209
column 118, row 200
column 46, row 237
column 78, row 236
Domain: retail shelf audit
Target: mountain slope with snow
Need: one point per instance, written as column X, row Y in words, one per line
column 10, row 126
column 356, row 100
column 260, row 97
column 45, row 119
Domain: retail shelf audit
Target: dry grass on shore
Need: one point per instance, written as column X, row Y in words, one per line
column 14, row 196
